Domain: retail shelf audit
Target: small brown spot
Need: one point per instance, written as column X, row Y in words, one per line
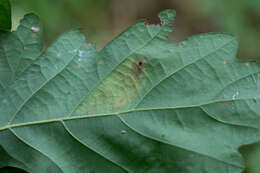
column 254, row 100
column 224, row 62
column 90, row 112
column 138, row 66
column 25, row 48
column 79, row 65
column 247, row 64
column 35, row 29
column 100, row 62
column 35, row 111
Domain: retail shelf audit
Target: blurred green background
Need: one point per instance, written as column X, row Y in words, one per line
column 102, row 20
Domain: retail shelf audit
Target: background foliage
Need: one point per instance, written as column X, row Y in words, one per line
column 101, row 20
column 5, row 15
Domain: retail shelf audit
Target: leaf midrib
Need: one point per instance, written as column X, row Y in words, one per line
column 128, row 111
column 133, row 109
column 76, row 106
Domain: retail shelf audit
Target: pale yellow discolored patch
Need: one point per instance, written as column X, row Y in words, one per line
column 121, row 87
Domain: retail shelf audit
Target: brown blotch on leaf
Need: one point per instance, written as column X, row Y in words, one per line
column 25, row 48
column 100, row 62
column 224, row 62
column 138, row 67
column 79, row 65
column 254, row 100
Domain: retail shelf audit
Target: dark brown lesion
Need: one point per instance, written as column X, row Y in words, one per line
column 138, row 67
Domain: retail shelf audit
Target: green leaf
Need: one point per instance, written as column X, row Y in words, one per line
column 5, row 15
column 18, row 50
column 141, row 104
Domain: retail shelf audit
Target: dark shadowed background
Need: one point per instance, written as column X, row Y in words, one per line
column 102, row 20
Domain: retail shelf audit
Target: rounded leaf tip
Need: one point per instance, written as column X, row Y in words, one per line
column 167, row 16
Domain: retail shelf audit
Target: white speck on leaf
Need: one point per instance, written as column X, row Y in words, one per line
column 123, row 132
column 35, row 29
column 235, row 95
column 80, row 53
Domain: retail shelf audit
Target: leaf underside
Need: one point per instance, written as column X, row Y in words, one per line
column 141, row 104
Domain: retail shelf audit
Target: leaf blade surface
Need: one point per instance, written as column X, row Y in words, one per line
column 142, row 104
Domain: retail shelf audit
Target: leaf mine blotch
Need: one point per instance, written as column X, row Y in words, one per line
column 138, row 67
